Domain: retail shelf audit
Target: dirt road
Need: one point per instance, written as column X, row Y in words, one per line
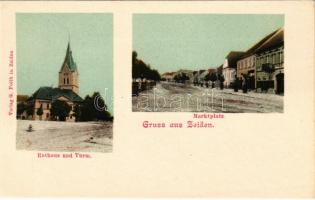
column 175, row 97
column 64, row 136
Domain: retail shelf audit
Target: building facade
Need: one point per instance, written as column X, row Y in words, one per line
column 42, row 99
column 168, row 76
column 270, row 64
column 230, row 67
column 188, row 73
column 246, row 70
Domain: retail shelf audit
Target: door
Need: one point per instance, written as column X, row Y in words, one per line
column 280, row 83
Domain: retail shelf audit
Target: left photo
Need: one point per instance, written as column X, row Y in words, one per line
column 64, row 82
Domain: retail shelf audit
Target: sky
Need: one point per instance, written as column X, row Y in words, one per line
column 169, row 42
column 41, row 45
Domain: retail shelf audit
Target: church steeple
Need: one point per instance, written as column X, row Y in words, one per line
column 68, row 74
column 69, row 61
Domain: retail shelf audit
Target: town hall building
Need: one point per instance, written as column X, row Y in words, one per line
column 67, row 90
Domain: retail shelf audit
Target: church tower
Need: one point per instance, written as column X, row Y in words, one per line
column 68, row 74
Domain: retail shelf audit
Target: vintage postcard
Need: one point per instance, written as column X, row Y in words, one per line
column 208, row 63
column 64, row 75
column 181, row 99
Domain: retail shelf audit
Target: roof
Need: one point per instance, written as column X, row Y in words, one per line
column 168, row 74
column 233, row 56
column 21, row 98
column 273, row 39
column 49, row 93
column 69, row 61
column 203, row 74
column 187, row 71
column 219, row 69
column 212, row 70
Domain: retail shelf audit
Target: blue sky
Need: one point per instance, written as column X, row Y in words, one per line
column 169, row 42
column 41, row 47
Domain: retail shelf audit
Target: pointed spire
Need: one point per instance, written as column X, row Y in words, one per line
column 68, row 37
column 69, row 61
column 68, row 48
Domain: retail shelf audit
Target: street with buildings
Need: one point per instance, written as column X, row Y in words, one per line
column 246, row 81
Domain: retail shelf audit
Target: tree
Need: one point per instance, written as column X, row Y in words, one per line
column 134, row 57
column 155, row 75
column 87, row 109
column 21, row 107
column 184, row 77
column 30, row 109
column 244, row 85
column 77, row 112
column 211, row 77
column 101, row 113
column 221, row 79
column 176, row 78
column 93, row 108
column 40, row 111
column 181, row 78
column 60, row 109
column 207, row 77
column 142, row 70
column 236, row 84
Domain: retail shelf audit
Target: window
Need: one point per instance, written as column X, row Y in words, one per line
column 281, row 57
column 273, row 58
column 67, row 80
column 64, row 81
column 278, row 57
column 47, row 105
column 47, row 115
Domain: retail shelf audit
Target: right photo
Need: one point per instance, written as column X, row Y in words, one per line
column 220, row 63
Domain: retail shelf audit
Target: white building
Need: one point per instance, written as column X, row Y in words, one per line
column 229, row 67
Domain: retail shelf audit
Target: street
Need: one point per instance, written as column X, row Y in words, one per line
column 177, row 97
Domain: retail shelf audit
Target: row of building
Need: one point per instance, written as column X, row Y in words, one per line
column 260, row 67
